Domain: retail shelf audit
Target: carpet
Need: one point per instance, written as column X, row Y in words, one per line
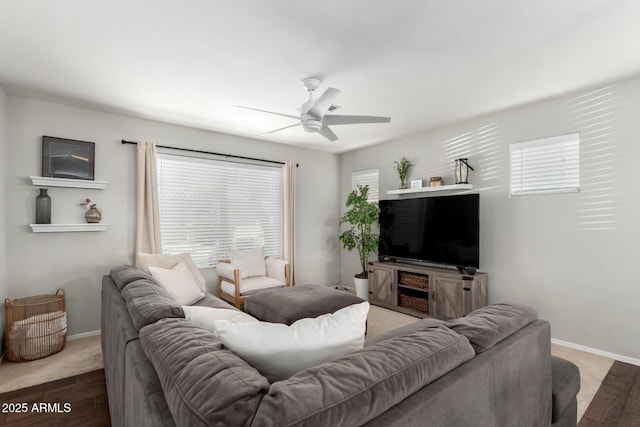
column 78, row 357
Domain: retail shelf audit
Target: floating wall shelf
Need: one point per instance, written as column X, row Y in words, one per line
column 454, row 187
column 45, row 181
column 65, row 228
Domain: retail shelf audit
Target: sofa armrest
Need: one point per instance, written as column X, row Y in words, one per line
column 278, row 269
column 226, row 270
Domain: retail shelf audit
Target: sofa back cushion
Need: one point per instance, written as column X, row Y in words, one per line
column 203, row 383
column 487, row 326
column 360, row 386
column 148, row 302
column 125, row 274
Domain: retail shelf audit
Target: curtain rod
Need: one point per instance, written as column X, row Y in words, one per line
column 210, row 152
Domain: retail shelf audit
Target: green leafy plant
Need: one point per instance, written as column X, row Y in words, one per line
column 361, row 216
column 402, row 167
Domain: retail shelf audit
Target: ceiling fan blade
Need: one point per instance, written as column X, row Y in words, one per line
column 270, row 112
column 328, row 133
column 336, row 119
column 278, row 130
column 322, row 104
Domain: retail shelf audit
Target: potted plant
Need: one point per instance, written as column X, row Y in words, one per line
column 402, row 166
column 361, row 216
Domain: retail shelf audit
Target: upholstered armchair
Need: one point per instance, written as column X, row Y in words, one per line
column 247, row 273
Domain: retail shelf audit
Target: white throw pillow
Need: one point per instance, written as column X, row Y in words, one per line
column 179, row 282
column 169, row 261
column 250, row 263
column 279, row 351
column 204, row 317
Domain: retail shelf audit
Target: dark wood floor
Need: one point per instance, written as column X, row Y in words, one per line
column 617, row 401
column 85, row 396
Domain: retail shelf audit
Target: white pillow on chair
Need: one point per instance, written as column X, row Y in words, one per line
column 279, row 351
column 250, row 263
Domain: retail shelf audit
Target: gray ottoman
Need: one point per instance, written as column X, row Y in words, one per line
column 286, row 305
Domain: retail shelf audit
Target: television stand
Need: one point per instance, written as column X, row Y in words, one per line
column 426, row 291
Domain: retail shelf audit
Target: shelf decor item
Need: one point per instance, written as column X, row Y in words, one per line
column 402, row 166
column 462, row 171
column 93, row 214
column 68, row 158
column 43, row 207
column 436, row 181
column 361, row 216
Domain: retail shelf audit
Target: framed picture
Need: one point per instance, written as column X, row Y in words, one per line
column 68, row 158
column 416, row 183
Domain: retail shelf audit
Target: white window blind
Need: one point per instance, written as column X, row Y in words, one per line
column 366, row 177
column 209, row 207
column 543, row 166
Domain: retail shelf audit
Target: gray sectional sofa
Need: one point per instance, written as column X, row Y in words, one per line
column 490, row 368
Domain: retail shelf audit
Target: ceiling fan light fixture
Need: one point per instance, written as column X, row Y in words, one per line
column 311, row 125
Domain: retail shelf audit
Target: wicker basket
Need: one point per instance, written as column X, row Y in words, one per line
column 36, row 326
column 420, row 281
column 414, row 303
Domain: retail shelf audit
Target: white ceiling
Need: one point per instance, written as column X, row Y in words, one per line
column 423, row 63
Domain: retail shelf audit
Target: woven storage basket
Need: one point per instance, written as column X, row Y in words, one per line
column 414, row 280
column 36, row 326
column 414, row 303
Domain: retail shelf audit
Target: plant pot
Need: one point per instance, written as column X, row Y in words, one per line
column 362, row 288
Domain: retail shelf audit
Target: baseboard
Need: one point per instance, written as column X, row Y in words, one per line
column 618, row 357
column 83, row 335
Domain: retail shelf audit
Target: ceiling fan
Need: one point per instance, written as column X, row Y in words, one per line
column 313, row 113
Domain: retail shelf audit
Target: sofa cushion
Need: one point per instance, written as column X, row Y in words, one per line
column 487, row 326
column 279, row 351
column 148, row 302
column 125, row 274
column 170, row 261
column 214, row 302
column 203, row 383
column 565, row 385
column 251, row 285
column 362, row 385
column 205, row 317
column 179, row 282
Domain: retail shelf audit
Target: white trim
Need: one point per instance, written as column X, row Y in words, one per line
column 83, row 335
column 429, row 189
column 44, row 181
column 614, row 356
column 65, row 228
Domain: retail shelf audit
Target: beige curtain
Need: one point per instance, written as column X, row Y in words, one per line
column 148, row 214
column 289, row 193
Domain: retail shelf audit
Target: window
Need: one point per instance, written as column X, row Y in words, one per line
column 543, row 166
column 366, row 177
column 209, row 207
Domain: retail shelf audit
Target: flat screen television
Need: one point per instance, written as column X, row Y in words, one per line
column 442, row 230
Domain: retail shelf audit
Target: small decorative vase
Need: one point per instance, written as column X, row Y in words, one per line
column 403, row 184
column 43, row 207
column 93, row 216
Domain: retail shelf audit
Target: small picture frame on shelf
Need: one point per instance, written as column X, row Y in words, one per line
column 68, row 158
column 416, row 183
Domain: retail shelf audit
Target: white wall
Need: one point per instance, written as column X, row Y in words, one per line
column 42, row 262
column 4, row 285
column 573, row 256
